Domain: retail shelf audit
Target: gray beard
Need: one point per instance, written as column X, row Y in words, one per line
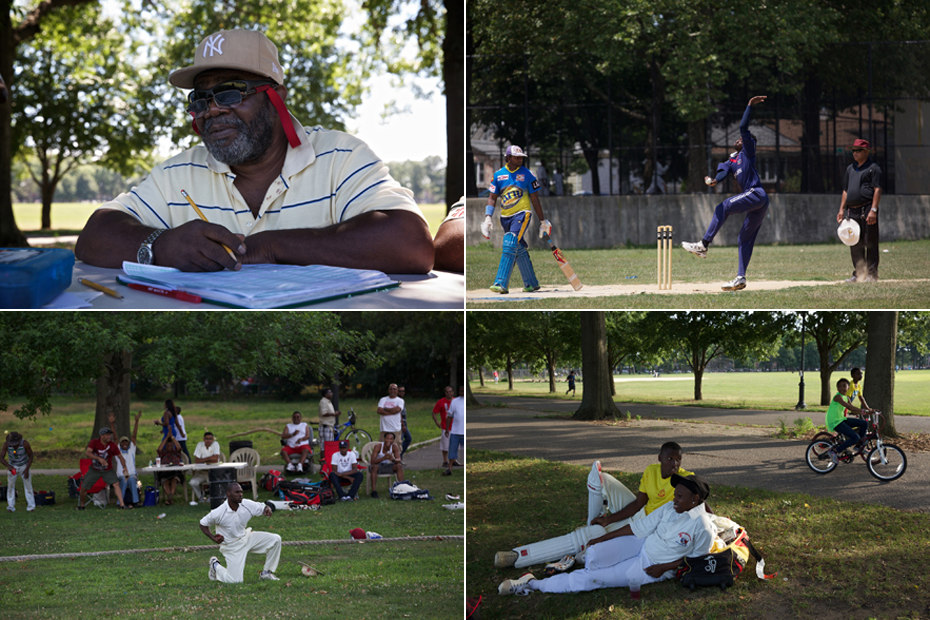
column 252, row 141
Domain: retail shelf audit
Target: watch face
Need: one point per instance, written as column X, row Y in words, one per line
column 144, row 255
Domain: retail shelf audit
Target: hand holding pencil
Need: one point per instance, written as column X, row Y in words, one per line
column 203, row 217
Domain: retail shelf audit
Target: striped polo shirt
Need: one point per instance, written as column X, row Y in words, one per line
column 330, row 178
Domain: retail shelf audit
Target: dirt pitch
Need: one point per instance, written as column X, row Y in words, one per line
column 640, row 288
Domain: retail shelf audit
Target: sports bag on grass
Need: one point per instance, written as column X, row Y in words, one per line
column 405, row 491
column 306, row 494
column 721, row 569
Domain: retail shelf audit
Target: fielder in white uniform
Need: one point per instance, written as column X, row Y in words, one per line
column 236, row 540
column 610, row 506
column 653, row 547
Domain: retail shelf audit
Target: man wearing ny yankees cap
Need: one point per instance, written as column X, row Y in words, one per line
column 269, row 189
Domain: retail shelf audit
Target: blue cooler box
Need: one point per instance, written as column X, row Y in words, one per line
column 32, row 277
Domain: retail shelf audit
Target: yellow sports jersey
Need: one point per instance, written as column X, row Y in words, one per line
column 855, row 389
column 514, row 189
column 659, row 489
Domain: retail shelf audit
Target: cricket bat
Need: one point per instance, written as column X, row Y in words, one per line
column 563, row 264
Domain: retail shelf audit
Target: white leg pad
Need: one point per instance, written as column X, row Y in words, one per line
column 556, row 548
column 595, row 492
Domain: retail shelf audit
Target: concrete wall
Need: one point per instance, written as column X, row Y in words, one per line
column 612, row 221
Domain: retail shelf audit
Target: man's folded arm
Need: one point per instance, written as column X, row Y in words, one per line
column 394, row 241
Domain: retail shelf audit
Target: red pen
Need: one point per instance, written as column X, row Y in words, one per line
column 194, row 299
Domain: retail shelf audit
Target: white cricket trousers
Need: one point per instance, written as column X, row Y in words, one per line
column 613, row 564
column 11, row 491
column 236, row 552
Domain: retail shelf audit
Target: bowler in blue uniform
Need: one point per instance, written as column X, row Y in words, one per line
column 517, row 188
column 753, row 201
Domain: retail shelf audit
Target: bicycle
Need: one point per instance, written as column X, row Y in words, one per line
column 885, row 461
column 356, row 437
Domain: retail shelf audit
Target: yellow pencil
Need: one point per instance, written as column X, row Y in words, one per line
column 204, row 218
column 99, row 287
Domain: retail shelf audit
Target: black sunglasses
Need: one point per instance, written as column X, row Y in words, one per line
column 857, row 150
column 224, row 95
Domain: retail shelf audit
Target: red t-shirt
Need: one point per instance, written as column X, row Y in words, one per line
column 442, row 407
column 105, row 451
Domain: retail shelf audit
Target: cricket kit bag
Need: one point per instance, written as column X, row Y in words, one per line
column 721, row 569
column 406, row 491
column 306, row 493
column 271, row 480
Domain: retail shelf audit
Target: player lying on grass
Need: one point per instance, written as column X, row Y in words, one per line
column 753, row 201
column 650, row 550
column 655, row 489
column 517, row 188
column 236, row 541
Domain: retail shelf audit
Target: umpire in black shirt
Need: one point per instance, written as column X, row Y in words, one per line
column 862, row 185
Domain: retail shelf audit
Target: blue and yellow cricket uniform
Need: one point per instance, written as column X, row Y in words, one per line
column 514, row 188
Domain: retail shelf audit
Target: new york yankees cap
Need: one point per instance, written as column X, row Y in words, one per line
column 248, row 50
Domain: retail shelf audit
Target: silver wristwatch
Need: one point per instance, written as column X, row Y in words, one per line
column 145, row 256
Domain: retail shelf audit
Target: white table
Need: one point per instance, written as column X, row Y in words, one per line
column 437, row 290
column 154, row 469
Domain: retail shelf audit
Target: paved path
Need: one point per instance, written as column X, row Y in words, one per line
column 747, row 456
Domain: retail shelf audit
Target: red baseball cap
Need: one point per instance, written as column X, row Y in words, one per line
column 860, row 143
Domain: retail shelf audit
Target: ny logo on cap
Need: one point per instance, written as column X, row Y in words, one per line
column 213, row 44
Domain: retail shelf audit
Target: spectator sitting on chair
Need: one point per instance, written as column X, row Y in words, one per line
column 442, row 408
column 297, row 437
column 101, row 452
column 329, row 417
column 406, row 437
column 389, row 412
column 128, row 480
column 207, row 451
column 169, row 450
column 16, row 456
column 385, row 459
column 345, row 468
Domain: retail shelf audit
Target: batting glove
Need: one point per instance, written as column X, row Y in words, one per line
column 486, row 227
column 545, row 228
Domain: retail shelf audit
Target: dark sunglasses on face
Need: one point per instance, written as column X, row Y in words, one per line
column 224, row 95
column 857, row 150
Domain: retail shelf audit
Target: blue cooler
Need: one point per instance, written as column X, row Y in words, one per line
column 32, row 277
column 151, row 497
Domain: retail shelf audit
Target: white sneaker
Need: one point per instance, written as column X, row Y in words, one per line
column 698, row 248
column 516, row 586
column 212, row 572
column 505, row 559
column 738, row 284
column 267, row 574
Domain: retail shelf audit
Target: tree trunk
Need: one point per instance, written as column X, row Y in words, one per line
column 10, row 235
column 697, row 157
column 596, row 401
column 550, row 368
column 453, row 70
column 481, row 376
column 879, row 367
column 48, row 195
column 811, row 170
column 698, row 383
column 470, row 399
column 113, row 393
column 509, row 373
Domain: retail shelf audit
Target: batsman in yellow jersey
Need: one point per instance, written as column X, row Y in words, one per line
column 516, row 186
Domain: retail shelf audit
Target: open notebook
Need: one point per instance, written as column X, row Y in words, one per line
column 261, row 286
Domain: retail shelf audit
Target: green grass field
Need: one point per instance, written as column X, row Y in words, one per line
column 737, row 390
column 410, row 579
column 61, row 437
column 903, row 260
column 832, row 558
column 70, row 217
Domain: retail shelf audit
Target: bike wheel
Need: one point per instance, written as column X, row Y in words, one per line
column 357, row 438
column 887, row 462
column 817, row 458
column 822, row 436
